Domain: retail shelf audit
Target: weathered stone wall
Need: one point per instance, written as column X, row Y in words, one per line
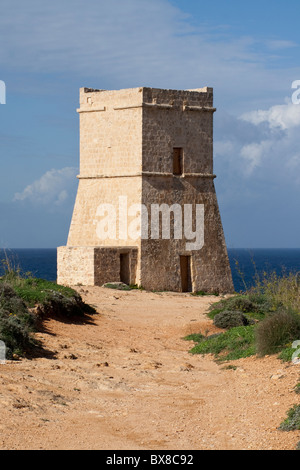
column 110, row 132
column 93, row 265
column 110, row 164
column 186, row 123
column 75, row 265
column 107, row 265
column 210, row 265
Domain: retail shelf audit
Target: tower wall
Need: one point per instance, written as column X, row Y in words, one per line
column 146, row 147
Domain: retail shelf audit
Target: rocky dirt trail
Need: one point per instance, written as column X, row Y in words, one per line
column 124, row 379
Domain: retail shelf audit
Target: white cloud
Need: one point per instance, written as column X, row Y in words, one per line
column 254, row 153
column 277, row 44
column 261, row 145
column 284, row 116
column 54, row 187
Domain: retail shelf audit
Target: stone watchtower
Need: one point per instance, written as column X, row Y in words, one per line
column 146, row 211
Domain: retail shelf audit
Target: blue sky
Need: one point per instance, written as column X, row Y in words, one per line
column 248, row 51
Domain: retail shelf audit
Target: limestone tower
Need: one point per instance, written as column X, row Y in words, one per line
column 146, row 211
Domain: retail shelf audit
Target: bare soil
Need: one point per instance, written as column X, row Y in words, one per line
column 124, row 379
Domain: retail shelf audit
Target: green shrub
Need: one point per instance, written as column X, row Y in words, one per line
column 292, row 422
column 10, row 301
column 57, row 304
column 18, row 295
column 34, row 290
column 286, row 354
column 233, row 344
column 196, row 337
column 16, row 332
column 230, row 319
column 255, row 306
column 276, row 331
column 51, row 298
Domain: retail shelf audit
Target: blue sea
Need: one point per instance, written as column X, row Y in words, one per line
column 42, row 263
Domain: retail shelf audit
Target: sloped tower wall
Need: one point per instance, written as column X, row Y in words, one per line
column 150, row 152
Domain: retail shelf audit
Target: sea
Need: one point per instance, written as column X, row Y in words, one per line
column 245, row 263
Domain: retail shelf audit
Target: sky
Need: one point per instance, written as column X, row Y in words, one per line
column 249, row 52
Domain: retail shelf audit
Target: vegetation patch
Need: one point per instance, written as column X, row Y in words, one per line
column 286, row 354
column 270, row 317
column 230, row 319
column 16, row 322
column 255, row 306
column 196, row 337
column 233, row 344
column 20, row 296
column 277, row 331
column 292, row 422
column 263, row 320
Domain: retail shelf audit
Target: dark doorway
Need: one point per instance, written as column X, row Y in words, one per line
column 124, row 268
column 186, row 276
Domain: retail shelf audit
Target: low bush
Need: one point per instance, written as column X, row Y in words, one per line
column 57, row 304
column 276, row 332
column 16, row 331
column 16, row 322
column 230, row 319
column 17, row 297
column 196, row 337
column 256, row 306
column 292, row 422
column 47, row 295
column 233, row 344
column 34, row 290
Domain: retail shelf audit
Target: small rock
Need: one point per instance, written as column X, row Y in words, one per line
column 187, row 367
column 277, row 376
column 153, row 365
column 71, row 356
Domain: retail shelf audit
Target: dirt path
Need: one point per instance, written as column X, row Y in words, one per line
column 125, row 380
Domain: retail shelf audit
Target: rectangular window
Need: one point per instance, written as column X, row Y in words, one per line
column 177, row 161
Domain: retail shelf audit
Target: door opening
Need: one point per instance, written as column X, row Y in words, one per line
column 124, row 268
column 186, row 275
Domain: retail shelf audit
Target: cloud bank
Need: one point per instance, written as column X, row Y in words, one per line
column 53, row 188
column 139, row 43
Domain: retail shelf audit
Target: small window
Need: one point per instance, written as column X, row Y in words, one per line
column 177, row 161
